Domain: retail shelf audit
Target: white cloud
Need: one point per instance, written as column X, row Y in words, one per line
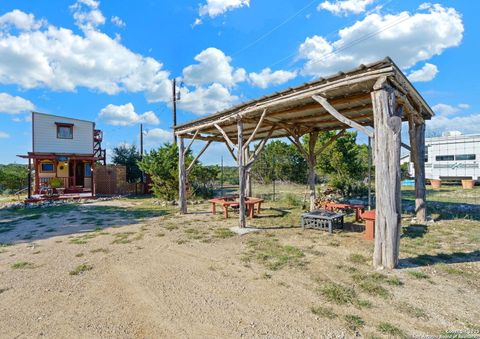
column 14, row 104
column 267, row 78
column 117, row 21
column 4, row 135
column 20, row 20
column 213, row 66
column 426, row 73
column 445, row 109
column 214, row 8
column 206, row 100
column 467, row 124
column 58, row 59
column 125, row 115
column 157, row 136
column 345, row 7
column 87, row 15
column 407, row 38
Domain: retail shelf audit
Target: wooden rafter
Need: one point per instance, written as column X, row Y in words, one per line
column 330, row 109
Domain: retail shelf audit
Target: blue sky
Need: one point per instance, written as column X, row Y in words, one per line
column 113, row 61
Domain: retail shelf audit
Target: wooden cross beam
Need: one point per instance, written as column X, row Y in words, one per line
column 329, row 142
column 259, row 149
column 191, row 142
column 198, row 156
column 330, row 109
column 230, row 150
column 255, row 130
column 225, row 136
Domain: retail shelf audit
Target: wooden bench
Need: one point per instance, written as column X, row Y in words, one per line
column 359, row 209
column 233, row 202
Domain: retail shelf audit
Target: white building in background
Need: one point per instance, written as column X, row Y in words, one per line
column 452, row 156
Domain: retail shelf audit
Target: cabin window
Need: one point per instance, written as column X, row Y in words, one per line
column 47, row 167
column 88, row 170
column 465, row 157
column 64, row 131
column 445, row 158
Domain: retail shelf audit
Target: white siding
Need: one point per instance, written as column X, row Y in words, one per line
column 45, row 135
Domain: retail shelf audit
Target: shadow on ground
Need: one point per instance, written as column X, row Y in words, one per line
column 27, row 225
column 444, row 258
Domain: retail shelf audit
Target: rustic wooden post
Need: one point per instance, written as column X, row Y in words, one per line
column 417, row 144
column 29, row 178
column 388, row 124
column 92, row 177
column 182, row 178
column 312, row 162
column 248, row 188
column 37, row 177
column 241, row 174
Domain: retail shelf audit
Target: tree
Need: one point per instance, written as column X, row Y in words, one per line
column 279, row 161
column 13, row 177
column 344, row 163
column 128, row 156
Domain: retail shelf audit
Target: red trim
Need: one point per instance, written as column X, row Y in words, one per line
column 64, row 124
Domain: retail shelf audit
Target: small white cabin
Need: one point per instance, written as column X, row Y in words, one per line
column 64, row 152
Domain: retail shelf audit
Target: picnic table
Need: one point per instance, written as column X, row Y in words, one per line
column 359, row 209
column 322, row 219
column 233, row 202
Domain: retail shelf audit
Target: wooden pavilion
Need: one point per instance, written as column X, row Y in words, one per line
column 374, row 99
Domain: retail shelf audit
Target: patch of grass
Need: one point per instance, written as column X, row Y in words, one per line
column 223, row 233
column 389, row 329
column 358, row 259
column 22, row 265
column 81, row 268
column 83, row 239
column 364, row 303
column 412, row 311
column 160, row 234
column 333, row 243
column 79, row 255
column 324, row 312
column 338, row 294
column 193, row 233
column 100, row 250
column 418, row 274
column 353, row 322
column 373, row 288
column 273, row 255
column 122, row 238
column 171, row 227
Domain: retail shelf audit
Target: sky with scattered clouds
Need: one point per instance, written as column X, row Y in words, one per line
column 113, row 62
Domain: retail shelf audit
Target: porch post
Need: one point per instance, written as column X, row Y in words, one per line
column 417, row 144
column 388, row 124
column 312, row 161
column 29, row 178
column 242, row 174
column 37, row 177
column 74, row 173
column 94, row 189
column 182, row 177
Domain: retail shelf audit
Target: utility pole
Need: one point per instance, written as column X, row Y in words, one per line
column 141, row 151
column 174, row 96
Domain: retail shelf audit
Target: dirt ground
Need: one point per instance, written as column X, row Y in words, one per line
column 127, row 268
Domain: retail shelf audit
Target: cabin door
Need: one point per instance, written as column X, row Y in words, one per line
column 79, row 174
